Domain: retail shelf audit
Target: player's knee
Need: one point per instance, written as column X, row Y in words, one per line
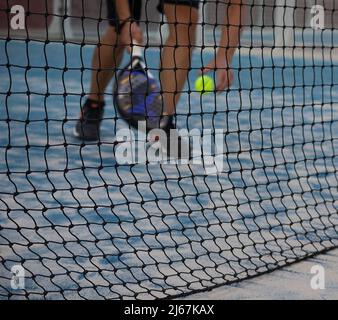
column 182, row 25
column 183, row 36
column 110, row 37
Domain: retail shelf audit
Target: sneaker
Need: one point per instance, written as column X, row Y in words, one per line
column 175, row 146
column 88, row 126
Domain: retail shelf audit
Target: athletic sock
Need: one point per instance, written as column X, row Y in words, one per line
column 94, row 103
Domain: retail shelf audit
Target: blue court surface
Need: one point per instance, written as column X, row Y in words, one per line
column 83, row 226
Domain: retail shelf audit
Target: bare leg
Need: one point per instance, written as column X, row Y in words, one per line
column 106, row 57
column 176, row 55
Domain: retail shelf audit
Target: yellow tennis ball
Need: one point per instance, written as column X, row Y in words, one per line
column 204, row 84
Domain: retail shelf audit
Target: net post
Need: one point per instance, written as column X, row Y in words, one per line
column 54, row 28
column 308, row 14
column 66, row 22
column 61, row 23
column 284, row 23
column 259, row 19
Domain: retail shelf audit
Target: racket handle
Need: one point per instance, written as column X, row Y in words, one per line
column 137, row 50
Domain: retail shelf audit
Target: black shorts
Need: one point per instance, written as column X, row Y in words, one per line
column 135, row 8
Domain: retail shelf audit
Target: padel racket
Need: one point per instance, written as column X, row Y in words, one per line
column 137, row 94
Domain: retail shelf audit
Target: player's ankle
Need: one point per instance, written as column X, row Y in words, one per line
column 94, row 103
column 170, row 124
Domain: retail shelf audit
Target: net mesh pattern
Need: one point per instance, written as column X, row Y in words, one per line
column 82, row 225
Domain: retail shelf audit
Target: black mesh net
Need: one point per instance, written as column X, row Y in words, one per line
column 75, row 222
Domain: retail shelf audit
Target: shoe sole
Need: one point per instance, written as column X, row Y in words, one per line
column 79, row 136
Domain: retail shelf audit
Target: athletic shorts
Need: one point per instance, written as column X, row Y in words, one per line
column 135, row 8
